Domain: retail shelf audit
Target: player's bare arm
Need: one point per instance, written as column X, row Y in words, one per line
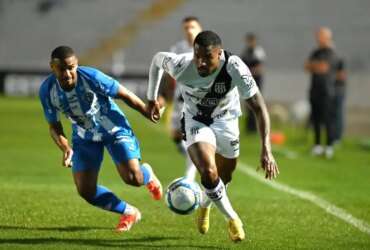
column 160, row 63
column 268, row 163
column 60, row 139
column 134, row 102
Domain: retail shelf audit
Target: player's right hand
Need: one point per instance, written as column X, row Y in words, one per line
column 153, row 111
column 67, row 158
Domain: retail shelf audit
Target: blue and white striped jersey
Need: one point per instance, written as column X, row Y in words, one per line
column 89, row 106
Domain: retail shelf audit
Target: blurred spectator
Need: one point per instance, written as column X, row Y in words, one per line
column 323, row 65
column 45, row 6
column 254, row 57
column 338, row 102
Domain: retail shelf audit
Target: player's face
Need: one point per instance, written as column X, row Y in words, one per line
column 191, row 30
column 65, row 71
column 206, row 59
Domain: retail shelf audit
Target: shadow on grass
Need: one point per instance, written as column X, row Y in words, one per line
column 140, row 243
column 58, row 229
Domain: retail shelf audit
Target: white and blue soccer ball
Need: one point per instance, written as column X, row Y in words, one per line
column 183, row 196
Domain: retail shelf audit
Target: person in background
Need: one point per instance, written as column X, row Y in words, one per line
column 339, row 100
column 322, row 65
column 254, row 57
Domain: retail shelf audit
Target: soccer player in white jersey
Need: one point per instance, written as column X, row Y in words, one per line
column 212, row 82
column 84, row 95
column 191, row 28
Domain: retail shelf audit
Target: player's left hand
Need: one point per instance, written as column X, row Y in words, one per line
column 269, row 165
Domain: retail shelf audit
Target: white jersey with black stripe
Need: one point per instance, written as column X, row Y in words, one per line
column 194, row 87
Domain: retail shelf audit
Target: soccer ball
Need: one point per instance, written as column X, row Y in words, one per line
column 183, row 196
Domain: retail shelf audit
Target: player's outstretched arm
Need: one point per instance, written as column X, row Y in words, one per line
column 258, row 106
column 136, row 103
column 57, row 133
column 162, row 61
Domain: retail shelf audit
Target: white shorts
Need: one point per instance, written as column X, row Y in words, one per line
column 222, row 134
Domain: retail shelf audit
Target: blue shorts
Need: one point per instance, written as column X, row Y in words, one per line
column 88, row 155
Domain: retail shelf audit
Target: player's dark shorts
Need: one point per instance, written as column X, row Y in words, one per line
column 88, row 155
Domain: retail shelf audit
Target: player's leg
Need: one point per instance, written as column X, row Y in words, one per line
column 190, row 169
column 227, row 136
column 329, row 122
column 125, row 152
column 225, row 167
column 203, row 155
column 316, row 123
column 177, row 134
column 87, row 159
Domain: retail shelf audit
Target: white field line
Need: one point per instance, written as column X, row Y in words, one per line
column 325, row 205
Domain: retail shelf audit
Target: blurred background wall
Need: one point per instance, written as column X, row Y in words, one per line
column 128, row 33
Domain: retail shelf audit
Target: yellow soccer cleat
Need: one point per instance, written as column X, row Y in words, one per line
column 203, row 219
column 236, row 230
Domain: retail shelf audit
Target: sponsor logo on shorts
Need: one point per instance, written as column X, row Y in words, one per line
column 222, row 114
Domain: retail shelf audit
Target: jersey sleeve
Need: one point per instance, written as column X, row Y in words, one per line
column 105, row 84
column 162, row 62
column 50, row 112
column 241, row 77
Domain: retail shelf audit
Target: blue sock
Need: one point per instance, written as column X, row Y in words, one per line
column 105, row 199
column 146, row 174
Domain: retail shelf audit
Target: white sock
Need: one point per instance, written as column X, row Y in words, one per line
column 191, row 170
column 205, row 201
column 219, row 197
column 129, row 209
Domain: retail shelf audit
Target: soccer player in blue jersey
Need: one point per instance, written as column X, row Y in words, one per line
column 84, row 95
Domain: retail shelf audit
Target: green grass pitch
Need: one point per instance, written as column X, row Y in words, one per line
column 40, row 209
